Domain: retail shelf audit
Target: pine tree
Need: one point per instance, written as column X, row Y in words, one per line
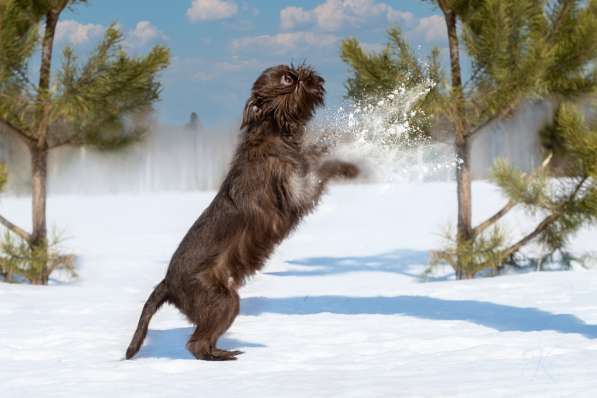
column 521, row 50
column 100, row 102
column 547, row 50
column 564, row 204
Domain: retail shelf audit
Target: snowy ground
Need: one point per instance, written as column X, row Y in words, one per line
column 339, row 310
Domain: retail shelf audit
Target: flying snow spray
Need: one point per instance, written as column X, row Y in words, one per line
column 377, row 134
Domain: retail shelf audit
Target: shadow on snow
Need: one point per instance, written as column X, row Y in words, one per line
column 170, row 343
column 503, row 318
column 405, row 262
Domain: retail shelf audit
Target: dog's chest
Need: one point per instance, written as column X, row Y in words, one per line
column 303, row 188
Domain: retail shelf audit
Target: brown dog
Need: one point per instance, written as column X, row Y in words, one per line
column 274, row 181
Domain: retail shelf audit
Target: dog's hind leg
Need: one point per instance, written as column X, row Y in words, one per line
column 214, row 315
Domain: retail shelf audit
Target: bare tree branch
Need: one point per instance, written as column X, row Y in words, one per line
column 479, row 229
column 543, row 225
column 21, row 233
column 68, row 140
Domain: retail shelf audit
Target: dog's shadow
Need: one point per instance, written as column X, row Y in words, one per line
column 170, row 343
column 503, row 318
column 405, row 262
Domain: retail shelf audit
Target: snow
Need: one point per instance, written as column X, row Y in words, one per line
column 339, row 310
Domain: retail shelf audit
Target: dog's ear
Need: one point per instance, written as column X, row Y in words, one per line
column 252, row 112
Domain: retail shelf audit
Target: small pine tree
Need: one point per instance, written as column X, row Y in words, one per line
column 520, row 50
column 101, row 102
column 565, row 205
column 18, row 261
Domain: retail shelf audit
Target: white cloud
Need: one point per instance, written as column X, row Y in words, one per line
column 211, row 10
column 285, row 42
column 430, row 29
column 237, row 65
column 333, row 15
column 143, row 33
column 213, row 70
column 141, row 36
column 245, row 7
column 396, row 16
column 291, row 17
column 77, row 33
column 373, row 47
column 205, row 69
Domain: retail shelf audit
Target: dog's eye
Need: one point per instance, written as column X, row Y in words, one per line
column 286, row 80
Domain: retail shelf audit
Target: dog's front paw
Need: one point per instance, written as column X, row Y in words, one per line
column 338, row 169
column 348, row 170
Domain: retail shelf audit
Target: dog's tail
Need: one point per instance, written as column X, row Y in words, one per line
column 153, row 303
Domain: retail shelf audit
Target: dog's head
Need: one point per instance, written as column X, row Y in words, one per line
column 289, row 95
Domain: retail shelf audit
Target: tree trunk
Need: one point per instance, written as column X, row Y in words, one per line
column 461, row 144
column 39, row 236
column 463, row 186
column 39, row 155
column 46, row 52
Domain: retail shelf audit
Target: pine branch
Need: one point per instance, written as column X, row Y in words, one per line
column 506, row 111
column 472, row 79
column 96, row 101
column 479, row 229
column 25, row 79
column 536, row 232
column 21, row 233
column 546, row 223
column 564, row 8
column 69, row 140
column 16, row 131
column 61, row 261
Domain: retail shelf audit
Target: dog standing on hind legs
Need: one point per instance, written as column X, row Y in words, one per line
column 275, row 179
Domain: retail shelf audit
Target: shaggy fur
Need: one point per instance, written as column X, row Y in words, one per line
column 274, row 181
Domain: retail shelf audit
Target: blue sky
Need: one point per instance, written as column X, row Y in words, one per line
column 220, row 46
